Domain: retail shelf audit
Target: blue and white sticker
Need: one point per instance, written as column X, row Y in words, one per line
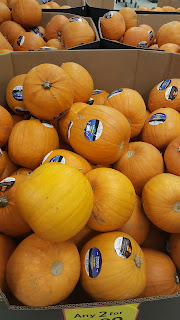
column 59, row 159
column 108, row 15
column 73, row 19
column 36, row 31
column 96, row 91
column 17, row 93
column 163, row 84
column 69, row 129
column 114, row 93
column 1, row 153
column 7, row 183
column 93, row 262
column 150, row 35
column 157, row 118
column 20, row 40
column 90, row 101
column 93, row 130
column 171, row 93
column 142, row 44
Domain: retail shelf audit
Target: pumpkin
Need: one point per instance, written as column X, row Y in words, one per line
column 54, row 27
column 68, row 157
column 143, row 8
column 161, row 201
column 37, row 31
column 2, row 51
column 95, row 166
column 130, row 103
column 4, row 44
column 137, row 37
column 55, row 43
column 168, row 9
column 178, row 9
column 130, row 17
column 98, row 96
column 58, row 262
column 99, row 133
column 2, row 162
column 154, row 46
column 83, row 236
column 45, row 6
column 5, row 2
column 11, row 3
column 161, row 127
column 5, row 13
column 143, row 159
column 156, row 239
column 172, row 156
column 114, row 199
column 54, row 5
column 67, row 119
column 45, row 48
column 23, row 171
column 161, row 277
column 138, row 224
column 10, row 167
column 27, row 13
column 167, row 33
column 36, row 139
column 11, row 223
column 28, row 42
column 14, row 94
column 165, row 94
column 174, row 246
column 150, row 32
column 112, row 25
column 170, row 47
column 7, row 246
column 49, row 190
column 41, row 30
column 76, row 32
column 158, row 9
column 119, row 271
column 65, row 7
column 11, row 30
column 6, row 125
column 82, row 81
column 47, row 91
column 19, row 117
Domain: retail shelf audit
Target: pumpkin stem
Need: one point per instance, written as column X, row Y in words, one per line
column 93, row 189
column 176, row 278
column 46, row 84
column 179, row 149
column 56, row 268
column 130, row 153
column 3, row 202
column 176, row 207
column 138, row 261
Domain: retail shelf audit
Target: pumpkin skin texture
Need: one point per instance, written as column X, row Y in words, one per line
column 114, row 199
column 4, row 44
column 99, row 96
column 11, row 30
column 130, row 17
column 6, row 125
column 5, row 13
column 7, row 246
column 168, row 9
column 83, row 236
column 172, row 156
column 112, row 25
column 119, row 277
column 54, row 5
column 40, row 273
column 161, row 201
column 68, row 157
column 27, row 13
column 82, row 81
column 47, row 91
column 154, row 46
column 54, row 27
column 170, row 47
column 137, row 37
column 156, row 239
column 11, row 223
column 44, row 138
column 150, row 32
column 160, row 274
column 55, row 43
column 28, row 42
column 14, row 94
column 57, row 185
column 130, row 103
column 165, row 94
column 137, row 158
column 110, row 132
column 138, row 224
column 23, row 171
column 161, row 127
column 2, row 162
column 158, row 9
column 10, row 167
column 174, row 246
column 2, row 51
column 167, row 33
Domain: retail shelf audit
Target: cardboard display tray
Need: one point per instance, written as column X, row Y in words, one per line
column 77, row 6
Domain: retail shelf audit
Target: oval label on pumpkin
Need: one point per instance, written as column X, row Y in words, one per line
column 157, row 118
column 96, row 91
column 123, row 247
column 108, row 15
column 93, row 262
column 114, row 93
column 142, row 44
column 59, row 159
column 17, row 93
column 150, row 35
column 163, row 84
column 69, row 129
column 37, row 31
column 20, row 40
column 75, row 19
column 93, row 130
column 48, row 125
column 45, row 158
column 7, row 183
column 90, row 101
column 171, row 93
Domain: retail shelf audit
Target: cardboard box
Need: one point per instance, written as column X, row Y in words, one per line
column 77, row 6
column 171, row 3
column 110, row 70
column 97, row 8
column 46, row 17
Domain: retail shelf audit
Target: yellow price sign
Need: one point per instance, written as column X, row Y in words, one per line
column 118, row 312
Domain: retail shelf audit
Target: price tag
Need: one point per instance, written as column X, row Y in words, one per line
column 123, row 312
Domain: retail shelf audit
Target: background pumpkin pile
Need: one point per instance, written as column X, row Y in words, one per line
column 123, row 27
column 90, row 188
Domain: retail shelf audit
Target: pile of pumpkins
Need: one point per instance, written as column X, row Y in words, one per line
column 159, row 9
column 89, row 190
column 24, row 33
column 122, row 26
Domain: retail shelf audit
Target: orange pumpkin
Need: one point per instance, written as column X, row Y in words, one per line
column 28, row 42
column 167, row 33
column 172, row 156
column 112, row 25
column 130, row 103
column 83, row 236
column 10, row 167
column 14, row 94
column 170, row 47
column 44, row 138
column 17, row 118
column 165, row 94
column 119, row 271
column 130, row 17
column 156, row 239
column 178, row 9
column 11, row 30
column 143, row 159
column 68, row 157
column 154, row 46
column 55, row 43
column 138, row 224
column 5, row 2
column 158, row 9
column 168, row 9
column 161, row 127
column 150, row 32
column 137, row 37
column 99, row 134
column 161, row 276
column 27, row 13
column 2, row 51
column 5, row 13
column 143, row 8
column 161, row 201
column 4, row 44
column 23, row 171
column 174, row 246
column 41, row 30
column 7, row 246
column 82, row 81
column 98, row 96
column 54, row 5
column 2, row 162
column 54, row 27
column 6, row 125
column 65, row 7
column 45, row 6
column 61, row 270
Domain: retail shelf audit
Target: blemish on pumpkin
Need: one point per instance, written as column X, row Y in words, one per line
column 121, row 145
column 97, row 218
column 56, row 268
column 47, row 197
column 130, row 153
column 93, row 189
column 57, row 208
